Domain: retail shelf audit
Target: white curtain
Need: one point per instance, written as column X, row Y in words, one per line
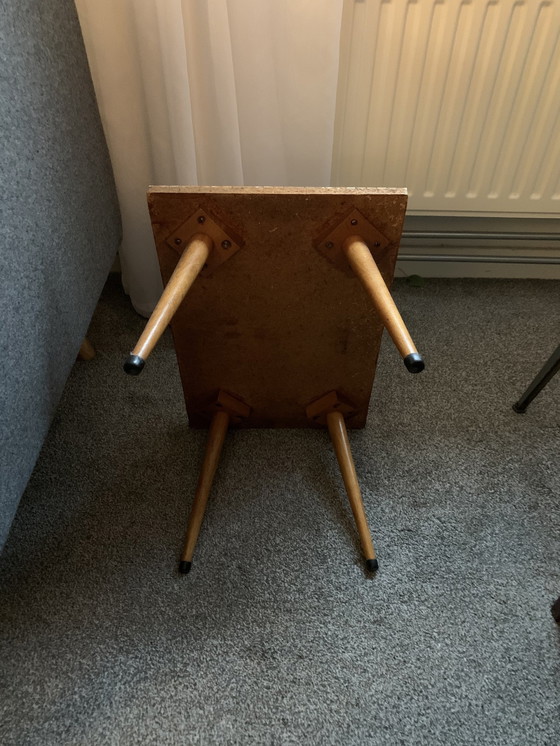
column 210, row 92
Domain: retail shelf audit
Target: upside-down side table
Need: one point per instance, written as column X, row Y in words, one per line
column 277, row 299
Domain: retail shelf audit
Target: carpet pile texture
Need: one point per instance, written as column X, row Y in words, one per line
column 278, row 636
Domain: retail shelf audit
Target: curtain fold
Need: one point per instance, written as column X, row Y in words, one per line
column 220, row 92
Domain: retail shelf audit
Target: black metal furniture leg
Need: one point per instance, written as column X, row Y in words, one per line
column 548, row 371
column 555, row 609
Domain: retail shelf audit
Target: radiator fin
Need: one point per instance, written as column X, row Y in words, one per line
column 458, row 100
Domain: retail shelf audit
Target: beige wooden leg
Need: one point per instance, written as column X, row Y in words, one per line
column 87, row 350
column 365, row 268
column 188, row 267
column 339, row 437
column 216, row 437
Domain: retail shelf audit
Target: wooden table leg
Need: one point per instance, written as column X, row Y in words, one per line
column 367, row 271
column 187, row 270
column 339, row 437
column 87, row 350
column 216, row 437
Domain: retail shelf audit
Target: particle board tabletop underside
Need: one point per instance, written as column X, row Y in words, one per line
column 277, row 324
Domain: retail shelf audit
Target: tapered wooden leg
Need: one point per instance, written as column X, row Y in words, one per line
column 87, row 350
column 365, row 268
column 216, row 437
column 339, row 437
column 185, row 273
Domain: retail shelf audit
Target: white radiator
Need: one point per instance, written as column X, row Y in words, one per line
column 458, row 100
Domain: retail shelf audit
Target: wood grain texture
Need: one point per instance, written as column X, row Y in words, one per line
column 191, row 261
column 87, row 350
column 339, row 437
column 214, row 444
column 363, row 264
column 277, row 325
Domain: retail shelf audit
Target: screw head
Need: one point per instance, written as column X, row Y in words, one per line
column 353, row 221
column 178, row 241
column 377, row 243
column 329, row 245
column 226, row 244
column 201, row 219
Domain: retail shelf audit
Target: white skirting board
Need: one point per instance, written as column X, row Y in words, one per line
column 512, row 247
column 495, row 265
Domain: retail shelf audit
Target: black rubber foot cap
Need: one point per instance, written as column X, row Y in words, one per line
column 133, row 365
column 555, row 610
column 184, row 567
column 372, row 565
column 518, row 409
column 414, row 362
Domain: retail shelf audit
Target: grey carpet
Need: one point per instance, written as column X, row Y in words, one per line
column 277, row 636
